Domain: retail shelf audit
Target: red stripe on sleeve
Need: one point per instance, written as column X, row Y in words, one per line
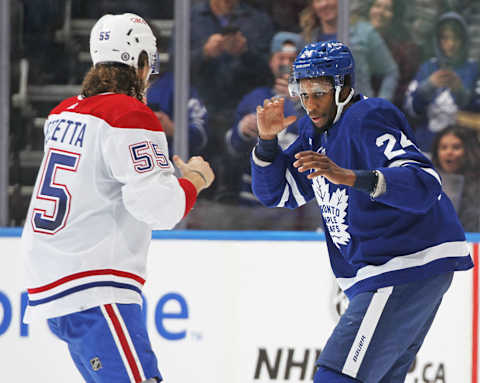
column 190, row 194
column 123, row 341
column 84, row 274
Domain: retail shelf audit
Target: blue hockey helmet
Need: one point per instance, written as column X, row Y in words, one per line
column 327, row 58
column 324, row 59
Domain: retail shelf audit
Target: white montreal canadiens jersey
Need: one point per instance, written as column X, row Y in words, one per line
column 104, row 183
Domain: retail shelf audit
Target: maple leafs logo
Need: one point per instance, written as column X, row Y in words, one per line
column 334, row 210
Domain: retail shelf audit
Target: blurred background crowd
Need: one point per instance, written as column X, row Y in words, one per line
column 422, row 55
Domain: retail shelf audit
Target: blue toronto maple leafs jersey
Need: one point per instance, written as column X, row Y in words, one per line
column 408, row 233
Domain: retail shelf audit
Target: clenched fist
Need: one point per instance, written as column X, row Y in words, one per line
column 196, row 170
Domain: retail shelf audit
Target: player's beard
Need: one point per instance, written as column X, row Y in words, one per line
column 326, row 120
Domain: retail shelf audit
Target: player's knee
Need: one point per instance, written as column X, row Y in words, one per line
column 325, row 375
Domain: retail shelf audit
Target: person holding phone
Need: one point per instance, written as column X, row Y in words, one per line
column 283, row 50
column 229, row 42
column 445, row 83
column 243, row 136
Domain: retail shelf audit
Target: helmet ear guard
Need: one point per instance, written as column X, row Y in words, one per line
column 341, row 105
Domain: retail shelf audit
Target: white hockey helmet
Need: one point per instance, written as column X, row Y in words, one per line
column 121, row 39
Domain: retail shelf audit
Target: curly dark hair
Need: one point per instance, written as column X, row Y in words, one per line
column 471, row 146
column 116, row 78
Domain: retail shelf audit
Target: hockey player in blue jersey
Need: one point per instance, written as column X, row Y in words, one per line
column 393, row 236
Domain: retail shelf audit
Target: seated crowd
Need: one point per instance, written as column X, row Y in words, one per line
column 422, row 57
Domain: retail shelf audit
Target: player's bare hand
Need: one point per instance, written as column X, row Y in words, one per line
column 196, row 170
column 271, row 119
column 321, row 165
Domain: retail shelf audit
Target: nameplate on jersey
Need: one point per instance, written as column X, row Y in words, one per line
column 66, row 131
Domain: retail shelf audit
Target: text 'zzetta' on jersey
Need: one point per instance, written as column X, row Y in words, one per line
column 65, row 131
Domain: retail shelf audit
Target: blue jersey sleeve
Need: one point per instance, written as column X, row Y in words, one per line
column 387, row 143
column 279, row 184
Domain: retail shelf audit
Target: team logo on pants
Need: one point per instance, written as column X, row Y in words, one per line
column 96, row 364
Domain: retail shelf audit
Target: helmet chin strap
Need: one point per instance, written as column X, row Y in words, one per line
column 341, row 105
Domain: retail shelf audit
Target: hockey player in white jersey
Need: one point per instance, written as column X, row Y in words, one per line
column 104, row 183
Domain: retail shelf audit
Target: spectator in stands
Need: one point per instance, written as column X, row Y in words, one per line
column 387, row 17
column 445, row 83
column 249, row 213
column 229, row 42
column 245, row 212
column 425, row 14
column 456, row 155
column 160, row 98
column 372, row 57
column 284, row 13
column 229, row 57
column 243, row 136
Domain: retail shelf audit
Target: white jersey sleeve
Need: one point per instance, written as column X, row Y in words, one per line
column 138, row 158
